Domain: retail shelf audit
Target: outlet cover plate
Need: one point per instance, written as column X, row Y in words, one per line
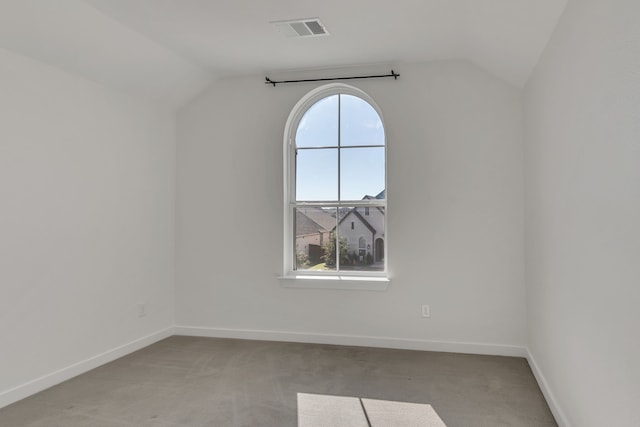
column 426, row 311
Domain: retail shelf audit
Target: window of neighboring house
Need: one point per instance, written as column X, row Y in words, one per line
column 335, row 177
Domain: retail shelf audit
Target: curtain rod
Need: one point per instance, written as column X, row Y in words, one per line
column 275, row 82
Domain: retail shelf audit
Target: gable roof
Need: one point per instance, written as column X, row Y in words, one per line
column 357, row 214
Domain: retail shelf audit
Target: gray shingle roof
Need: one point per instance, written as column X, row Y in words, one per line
column 311, row 220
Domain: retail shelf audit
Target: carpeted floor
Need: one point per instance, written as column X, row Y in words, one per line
column 198, row 382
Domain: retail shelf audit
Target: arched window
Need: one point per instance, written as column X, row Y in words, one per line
column 335, row 183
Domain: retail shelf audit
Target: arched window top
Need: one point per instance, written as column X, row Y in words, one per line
column 363, row 116
column 340, row 120
column 337, row 136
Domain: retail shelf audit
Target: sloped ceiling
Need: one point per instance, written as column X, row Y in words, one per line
column 169, row 49
column 76, row 37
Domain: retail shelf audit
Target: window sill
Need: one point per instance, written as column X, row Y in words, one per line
column 350, row 283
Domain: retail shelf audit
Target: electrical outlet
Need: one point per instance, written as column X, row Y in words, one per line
column 426, row 311
column 142, row 310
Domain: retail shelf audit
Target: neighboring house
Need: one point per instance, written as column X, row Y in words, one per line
column 313, row 228
column 362, row 227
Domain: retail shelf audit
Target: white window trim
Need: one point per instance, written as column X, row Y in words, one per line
column 352, row 280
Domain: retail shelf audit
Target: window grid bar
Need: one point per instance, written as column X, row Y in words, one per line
column 338, row 204
column 345, row 147
column 337, row 236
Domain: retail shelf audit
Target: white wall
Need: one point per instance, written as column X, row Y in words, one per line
column 455, row 213
column 583, row 214
column 87, row 180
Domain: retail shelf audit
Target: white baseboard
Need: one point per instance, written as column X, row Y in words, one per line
column 556, row 410
column 354, row 340
column 27, row 389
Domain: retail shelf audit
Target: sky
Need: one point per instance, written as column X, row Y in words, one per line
column 362, row 169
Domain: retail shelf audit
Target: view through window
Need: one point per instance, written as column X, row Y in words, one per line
column 339, row 197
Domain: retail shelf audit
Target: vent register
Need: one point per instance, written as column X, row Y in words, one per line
column 301, row 28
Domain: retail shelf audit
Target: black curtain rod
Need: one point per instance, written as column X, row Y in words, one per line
column 274, row 82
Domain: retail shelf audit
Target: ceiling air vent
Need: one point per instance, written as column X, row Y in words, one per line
column 301, row 28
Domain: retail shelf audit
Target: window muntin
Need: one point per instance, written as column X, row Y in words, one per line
column 336, row 156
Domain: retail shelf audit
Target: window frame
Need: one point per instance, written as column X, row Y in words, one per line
column 289, row 175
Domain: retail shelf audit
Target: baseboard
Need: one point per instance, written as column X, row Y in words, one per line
column 354, row 340
column 27, row 389
column 556, row 410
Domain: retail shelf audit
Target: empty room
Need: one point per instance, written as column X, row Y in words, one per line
column 240, row 213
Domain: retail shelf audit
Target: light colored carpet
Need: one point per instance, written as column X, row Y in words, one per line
column 209, row 382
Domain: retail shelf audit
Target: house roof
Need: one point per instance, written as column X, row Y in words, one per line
column 313, row 220
column 381, row 195
column 320, row 217
column 357, row 214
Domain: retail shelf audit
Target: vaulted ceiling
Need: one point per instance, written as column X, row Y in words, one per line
column 170, row 49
